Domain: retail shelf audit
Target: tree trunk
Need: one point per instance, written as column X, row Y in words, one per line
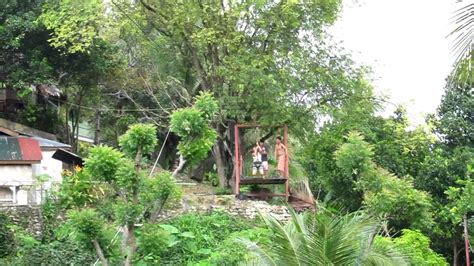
column 220, row 163
column 97, row 128
column 131, row 243
column 99, row 252
column 180, row 167
column 455, row 253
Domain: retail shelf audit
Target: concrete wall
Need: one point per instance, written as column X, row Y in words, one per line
column 16, row 174
column 49, row 166
column 19, row 179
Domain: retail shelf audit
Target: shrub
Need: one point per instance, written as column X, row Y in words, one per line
column 196, row 237
column 56, row 253
column 7, row 237
column 415, row 245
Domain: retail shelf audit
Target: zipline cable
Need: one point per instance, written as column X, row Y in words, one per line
column 159, row 154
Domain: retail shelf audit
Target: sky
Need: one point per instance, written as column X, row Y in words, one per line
column 405, row 44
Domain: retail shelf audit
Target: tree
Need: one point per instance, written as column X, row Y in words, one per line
column 456, row 115
column 192, row 125
column 135, row 197
column 323, row 238
column 415, row 245
column 90, row 228
column 257, row 69
column 383, row 194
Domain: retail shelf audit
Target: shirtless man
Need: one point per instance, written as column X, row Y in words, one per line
column 281, row 154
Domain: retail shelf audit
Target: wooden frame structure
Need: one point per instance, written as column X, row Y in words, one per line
column 238, row 163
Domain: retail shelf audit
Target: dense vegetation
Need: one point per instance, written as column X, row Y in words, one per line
column 151, row 73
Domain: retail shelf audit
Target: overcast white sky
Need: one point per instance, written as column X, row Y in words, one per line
column 404, row 41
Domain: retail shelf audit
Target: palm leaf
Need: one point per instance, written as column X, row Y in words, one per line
column 463, row 34
column 323, row 239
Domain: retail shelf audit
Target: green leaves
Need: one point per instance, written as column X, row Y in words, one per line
column 415, row 246
column 139, row 137
column 192, row 125
column 87, row 224
column 456, row 115
column 75, row 24
column 384, row 194
column 462, row 199
column 103, row 163
column 323, row 238
column 160, row 190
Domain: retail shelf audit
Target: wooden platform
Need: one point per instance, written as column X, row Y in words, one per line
column 262, row 181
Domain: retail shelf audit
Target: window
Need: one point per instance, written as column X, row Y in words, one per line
column 6, row 194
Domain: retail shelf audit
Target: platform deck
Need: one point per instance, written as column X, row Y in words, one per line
column 261, row 181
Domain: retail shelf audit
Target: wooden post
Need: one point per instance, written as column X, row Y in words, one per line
column 466, row 240
column 237, row 160
column 287, row 172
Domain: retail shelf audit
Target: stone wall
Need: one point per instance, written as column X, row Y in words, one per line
column 228, row 203
column 28, row 217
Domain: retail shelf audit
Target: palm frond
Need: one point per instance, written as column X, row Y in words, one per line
column 463, row 47
column 324, row 238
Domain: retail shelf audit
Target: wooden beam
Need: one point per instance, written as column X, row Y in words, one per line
column 9, row 132
column 287, row 172
column 237, row 159
column 258, row 125
column 262, row 181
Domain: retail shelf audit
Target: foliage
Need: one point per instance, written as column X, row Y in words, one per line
column 324, row 239
column 160, row 190
column 415, row 245
column 86, row 225
column 153, row 241
column 383, row 194
column 7, row 243
column 197, row 235
column 113, row 188
column 75, row 190
column 74, row 24
column 233, row 252
column 461, row 199
column 192, row 125
column 456, row 115
column 56, row 253
column 103, row 162
column 139, row 137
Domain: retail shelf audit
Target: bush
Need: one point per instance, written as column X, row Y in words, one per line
column 7, row 237
column 232, row 251
column 195, row 237
column 56, row 253
column 415, row 245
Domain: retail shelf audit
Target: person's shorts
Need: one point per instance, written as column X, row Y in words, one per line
column 257, row 167
column 265, row 165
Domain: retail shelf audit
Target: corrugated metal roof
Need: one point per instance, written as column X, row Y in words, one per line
column 46, row 143
column 19, row 149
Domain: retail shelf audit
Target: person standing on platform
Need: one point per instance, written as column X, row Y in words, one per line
column 257, row 166
column 264, row 156
column 281, row 155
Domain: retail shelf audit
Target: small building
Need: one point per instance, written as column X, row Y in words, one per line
column 30, row 164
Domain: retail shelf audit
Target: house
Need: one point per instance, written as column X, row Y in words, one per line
column 27, row 156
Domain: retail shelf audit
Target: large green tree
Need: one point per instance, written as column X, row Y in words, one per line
column 265, row 61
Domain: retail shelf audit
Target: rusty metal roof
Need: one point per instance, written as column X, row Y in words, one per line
column 19, row 149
